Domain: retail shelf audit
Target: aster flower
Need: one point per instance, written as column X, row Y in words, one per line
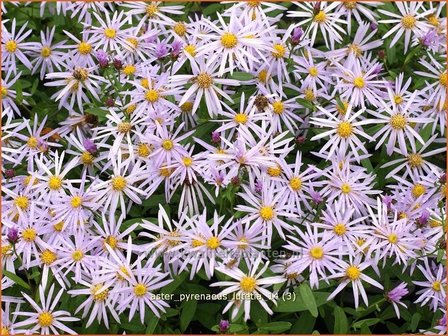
column 46, row 320
column 13, row 46
column 322, row 19
column 407, row 22
column 48, row 55
column 344, row 132
column 397, row 125
column 314, row 251
column 140, row 291
column 235, row 44
column 352, row 272
column 204, row 83
column 247, row 287
column 434, row 285
column 395, row 295
column 435, row 70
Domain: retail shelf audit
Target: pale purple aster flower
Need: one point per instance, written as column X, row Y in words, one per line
column 176, row 48
column 90, row 146
column 395, row 295
column 102, row 58
column 296, row 35
column 161, row 50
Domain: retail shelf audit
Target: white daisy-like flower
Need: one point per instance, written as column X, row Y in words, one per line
column 248, row 287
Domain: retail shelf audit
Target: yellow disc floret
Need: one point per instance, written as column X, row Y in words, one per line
column 248, row 284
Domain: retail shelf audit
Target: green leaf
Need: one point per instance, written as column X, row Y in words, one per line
column 305, row 103
column 308, row 297
column 304, row 324
column 211, row 9
column 16, row 279
column 171, row 287
column 340, row 321
column 275, row 327
column 241, row 76
column 414, row 321
column 440, row 254
column 152, row 324
column 366, row 322
column 19, row 92
column 297, row 304
column 188, row 310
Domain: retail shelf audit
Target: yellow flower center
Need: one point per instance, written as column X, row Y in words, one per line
column 278, row 107
column 204, row 80
column 110, row 33
column 408, row 21
column 213, row 243
column 165, row 172
column 320, row 17
column 152, row 96
column 180, row 29
column 350, row 4
column 309, row 95
column 123, row 270
column 21, row 202
column 345, row 188
column 29, row 234
column 190, row 49
column 196, row 243
column 45, row 52
column 353, row 272
column 76, row 201
column 263, row 76
column 133, row 42
column 32, row 142
column 339, row 229
column 84, row 48
column 167, row 144
column 398, row 121
column 443, row 79
column 355, row 49
column 11, row 46
column 274, row 171
column 118, row 183
column 240, row 118
column 58, row 226
column 4, row 92
column 129, row 69
column 434, row 223
column 99, row 296
column 317, row 252
column 279, row 51
column 342, row 109
column 86, row 158
column 77, row 255
column 248, row 284
column 45, row 319
column 5, row 331
column 295, row 183
column 143, row 150
column 243, row 243
column 415, row 160
column 418, row 190
column 47, row 257
column 392, row 238
column 344, row 129
column 432, row 20
column 55, row 183
column 131, row 108
column 6, row 250
column 187, row 161
column 140, row 289
column 437, row 286
column 398, row 99
column 80, row 74
column 187, row 107
column 359, row 82
column 112, row 241
column 151, row 10
column 313, row 71
column 267, row 213
column 124, row 127
column 229, row 40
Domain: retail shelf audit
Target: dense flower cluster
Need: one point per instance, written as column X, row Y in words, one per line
column 199, row 144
